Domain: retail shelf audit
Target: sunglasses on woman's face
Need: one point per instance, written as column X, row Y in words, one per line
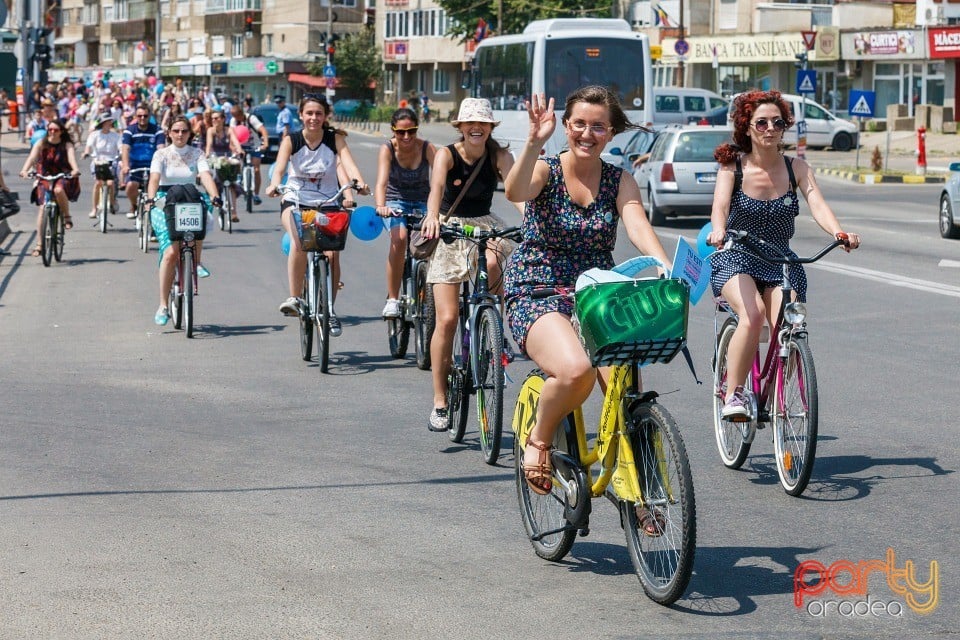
column 762, row 124
column 412, row 131
column 179, row 130
column 53, row 129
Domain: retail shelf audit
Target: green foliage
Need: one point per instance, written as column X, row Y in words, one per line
column 358, row 63
column 516, row 14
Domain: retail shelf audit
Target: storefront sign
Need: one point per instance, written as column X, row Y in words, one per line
column 944, row 42
column 883, row 44
column 395, row 50
column 772, row 47
column 827, row 46
column 253, row 67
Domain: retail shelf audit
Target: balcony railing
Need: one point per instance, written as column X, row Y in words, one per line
column 224, row 6
column 141, row 10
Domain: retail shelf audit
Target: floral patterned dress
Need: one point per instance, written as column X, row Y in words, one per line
column 561, row 240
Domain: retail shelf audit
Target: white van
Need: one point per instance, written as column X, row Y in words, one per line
column 681, row 105
column 823, row 128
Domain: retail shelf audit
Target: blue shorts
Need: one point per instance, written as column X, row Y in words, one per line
column 254, row 153
column 140, row 178
column 406, row 206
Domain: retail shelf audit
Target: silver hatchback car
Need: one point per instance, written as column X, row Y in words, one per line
column 950, row 204
column 679, row 177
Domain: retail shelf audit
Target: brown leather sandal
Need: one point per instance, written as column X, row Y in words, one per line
column 538, row 476
column 652, row 523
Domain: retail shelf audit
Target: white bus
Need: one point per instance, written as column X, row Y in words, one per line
column 556, row 57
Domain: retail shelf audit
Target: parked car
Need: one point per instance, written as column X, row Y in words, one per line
column 949, row 203
column 268, row 114
column 679, row 177
column 676, row 105
column 628, row 146
column 351, row 108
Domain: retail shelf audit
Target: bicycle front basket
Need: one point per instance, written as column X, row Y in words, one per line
column 642, row 321
column 228, row 171
column 330, row 236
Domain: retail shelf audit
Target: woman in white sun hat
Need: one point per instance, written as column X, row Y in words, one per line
column 451, row 263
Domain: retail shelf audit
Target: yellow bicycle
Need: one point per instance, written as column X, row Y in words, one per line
column 643, row 465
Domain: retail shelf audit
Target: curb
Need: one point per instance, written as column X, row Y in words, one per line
column 879, row 178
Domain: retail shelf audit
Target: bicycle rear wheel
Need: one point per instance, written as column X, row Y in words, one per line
column 425, row 317
column 46, row 235
column 188, row 274
column 731, row 443
column 795, row 408
column 322, row 314
column 541, row 514
column 248, row 187
column 398, row 334
column 458, row 383
column 60, row 235
column 661, row 531
column 144, row 228
column 491, row 379
column 306, row 319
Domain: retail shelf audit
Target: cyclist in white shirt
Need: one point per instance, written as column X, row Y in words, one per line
column 104, row 145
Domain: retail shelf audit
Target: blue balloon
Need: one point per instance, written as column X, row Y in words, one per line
column 159, row 87
column 285, row 243
column 37, row 136
column 270, row 174
column 704, row 249
column 365, row 224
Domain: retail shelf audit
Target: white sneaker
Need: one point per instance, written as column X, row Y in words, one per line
column 93, row 214
column 336, row 330
column 391, row 309
column 131, row 215
column 290, row 307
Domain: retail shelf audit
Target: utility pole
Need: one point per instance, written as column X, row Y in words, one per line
column 499, row 17
column 157, row 58
column 681, row 79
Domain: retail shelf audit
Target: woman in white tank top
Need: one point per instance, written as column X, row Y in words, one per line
column 311, row 157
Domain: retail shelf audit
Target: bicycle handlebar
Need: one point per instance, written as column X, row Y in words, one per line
column 449, row 233
column 140, row 170
column 56, row 176
column 763, row 249
column 285, row 189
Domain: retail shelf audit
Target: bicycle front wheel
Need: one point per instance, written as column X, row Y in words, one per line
column 795, row 407
column 188, row 273
column 491, row 378
column 661, row 530
column 458, row 385
column 175, row 300
column 398, row 335
column 102, row 208
column 731, row 443
column 46, row 235
column 144, row 228
column 322, row 314
column 59, row 236
column 306, row 320
column 543, row 517
column 248, row 187
column 425, row 317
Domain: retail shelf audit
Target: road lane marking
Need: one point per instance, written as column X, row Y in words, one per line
column 950, row 263
column 889, row 278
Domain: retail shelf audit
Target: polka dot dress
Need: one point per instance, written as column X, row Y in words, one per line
column 771, row 220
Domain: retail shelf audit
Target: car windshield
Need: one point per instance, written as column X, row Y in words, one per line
column 698, row 146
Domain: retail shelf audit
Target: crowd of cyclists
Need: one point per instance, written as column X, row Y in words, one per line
column 572, row 206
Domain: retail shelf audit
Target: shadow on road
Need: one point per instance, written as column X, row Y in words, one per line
column 76, row 262
column 212, row 331
column 18, row 260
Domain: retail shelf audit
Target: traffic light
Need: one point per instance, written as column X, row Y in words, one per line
column 248, row 22
column 330, row 51
column 801, row 62
column 42, row 51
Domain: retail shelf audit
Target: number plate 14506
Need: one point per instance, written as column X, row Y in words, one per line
column 188, row 217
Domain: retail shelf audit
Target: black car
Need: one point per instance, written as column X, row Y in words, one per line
column 268, row 114
column 718, row 115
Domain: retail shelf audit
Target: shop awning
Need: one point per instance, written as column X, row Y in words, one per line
column 63, row 41
column 311, row 81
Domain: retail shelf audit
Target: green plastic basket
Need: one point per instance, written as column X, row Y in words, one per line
column 642, row 321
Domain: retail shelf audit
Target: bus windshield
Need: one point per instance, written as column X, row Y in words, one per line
column 613, row 63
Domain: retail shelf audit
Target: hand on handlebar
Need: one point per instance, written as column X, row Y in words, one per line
column 430, row 226
column 850, row 240
column 362, row 188
column 272, row 191
column 716, row 238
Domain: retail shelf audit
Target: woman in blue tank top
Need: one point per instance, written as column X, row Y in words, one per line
column 403, row 184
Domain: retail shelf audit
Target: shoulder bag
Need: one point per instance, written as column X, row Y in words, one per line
column 422, row 248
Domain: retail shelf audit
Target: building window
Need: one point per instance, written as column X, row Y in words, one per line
column 728, row 14
column 183, row 8
column 108, row 13
column 120, row 10
column 165, row 8
column 217, row 46
column 236, row 48
column 199, row 46
column 183, row 49
column 124, row 57
column 441, row 81
column 165, row 50
column 268, row 43
column 108, row 51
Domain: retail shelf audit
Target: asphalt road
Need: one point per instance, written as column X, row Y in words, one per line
column 157, row 487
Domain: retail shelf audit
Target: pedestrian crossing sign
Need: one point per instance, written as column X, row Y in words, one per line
column 806, row 81
column 862, row 103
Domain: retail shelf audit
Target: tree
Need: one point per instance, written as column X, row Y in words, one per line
column 517, row 14
column 358, row 63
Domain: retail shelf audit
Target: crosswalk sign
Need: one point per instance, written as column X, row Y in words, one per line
column 806, row 81
column 862, row 103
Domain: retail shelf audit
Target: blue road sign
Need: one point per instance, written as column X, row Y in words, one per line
column 329, row 71
column 681, row 47
column 806, row 81
column 862, row 103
